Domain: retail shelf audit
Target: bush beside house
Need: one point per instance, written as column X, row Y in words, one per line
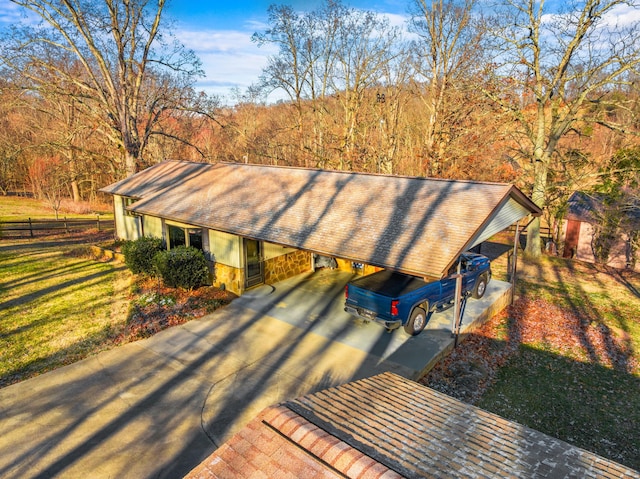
column 182, row 267
column 138, row 254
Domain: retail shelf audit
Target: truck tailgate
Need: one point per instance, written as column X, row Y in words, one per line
column 372, row 295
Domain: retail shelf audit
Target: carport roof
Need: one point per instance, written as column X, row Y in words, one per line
column 414, row 225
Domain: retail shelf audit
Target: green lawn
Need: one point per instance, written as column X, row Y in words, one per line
column 56, row 307
column 585, row 404
column 578, row 378
column 17, row 208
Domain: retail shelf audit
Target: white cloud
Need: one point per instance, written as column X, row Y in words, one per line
column 229, row 58
column 623, row 16
column 396, row 20
column 10, row 14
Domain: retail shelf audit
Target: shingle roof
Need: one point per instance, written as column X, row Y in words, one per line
column 583, row 207
column 590, row 207
column 387, row 426
column 414, row 225
column 281, row 444
column 158, row 178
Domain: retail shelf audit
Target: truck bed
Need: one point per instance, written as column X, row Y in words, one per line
column 388, row 283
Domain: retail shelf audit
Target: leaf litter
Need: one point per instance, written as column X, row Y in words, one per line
column 472, row 367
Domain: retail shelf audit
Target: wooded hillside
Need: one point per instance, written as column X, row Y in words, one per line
column 546, row 99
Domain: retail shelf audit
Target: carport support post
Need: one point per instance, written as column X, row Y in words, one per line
column 514, row 262
column 455, row 327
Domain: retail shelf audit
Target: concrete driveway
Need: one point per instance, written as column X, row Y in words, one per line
column 158, row 407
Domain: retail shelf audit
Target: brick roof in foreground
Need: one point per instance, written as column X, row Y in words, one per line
column 389, row 427
column 409, row 224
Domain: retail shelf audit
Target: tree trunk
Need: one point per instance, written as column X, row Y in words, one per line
column 75, row 191
column 534, row 243
column 130, row 163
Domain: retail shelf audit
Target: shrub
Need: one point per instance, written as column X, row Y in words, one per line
column 138, row 254
column 182, row 267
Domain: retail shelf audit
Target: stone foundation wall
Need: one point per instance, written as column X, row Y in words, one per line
column 287, row 265
column 232, row 278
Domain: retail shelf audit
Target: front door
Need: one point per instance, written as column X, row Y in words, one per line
column 571, row 239
column 254, row 267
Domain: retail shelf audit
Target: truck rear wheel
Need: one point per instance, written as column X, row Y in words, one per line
column 417, row 322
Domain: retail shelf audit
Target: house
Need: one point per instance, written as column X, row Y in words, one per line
column 584, row 214
column 388, row 427
column 261, row 224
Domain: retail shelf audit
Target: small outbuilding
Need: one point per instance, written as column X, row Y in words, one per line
column 261, row 224
column 585, row 216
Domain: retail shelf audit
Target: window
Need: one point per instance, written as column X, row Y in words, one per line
column 195, row 237
column 176, row 236
column 126, row 202
column 179, row 236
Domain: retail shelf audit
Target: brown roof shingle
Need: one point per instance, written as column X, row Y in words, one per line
column 414, row 225
column 282, row 444
column 390, row 427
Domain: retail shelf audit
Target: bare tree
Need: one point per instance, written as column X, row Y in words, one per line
column 123, row 58
column 365, row 45
column 562, row 62
column 446, row 59
column 48, row 180
column 303, row 67
column 328, row 58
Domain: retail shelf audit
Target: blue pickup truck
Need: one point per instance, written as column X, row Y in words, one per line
column 395, row 299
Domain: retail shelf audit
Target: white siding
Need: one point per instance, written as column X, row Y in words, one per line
column 509, row 214
column 127, row 227
column 226, row 248
column 270, row 250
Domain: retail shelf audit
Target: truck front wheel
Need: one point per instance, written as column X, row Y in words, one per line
column 481, row 287
column 417, row 322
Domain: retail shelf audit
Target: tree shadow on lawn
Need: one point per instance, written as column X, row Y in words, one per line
column 55, row 240
column 48, row 291
column 99, row 341
column 585, row 404
column 629, row 279
column 601, row 315
column 528, row 366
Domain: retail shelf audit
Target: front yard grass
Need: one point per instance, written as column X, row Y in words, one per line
column 56, row 307
column 20, row 208
column 60, row 304
column 591, row 406
column 565, row 359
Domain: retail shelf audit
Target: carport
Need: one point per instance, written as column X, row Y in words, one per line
column 314, row 303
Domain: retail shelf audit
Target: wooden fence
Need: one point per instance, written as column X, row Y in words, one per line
column 36, row 227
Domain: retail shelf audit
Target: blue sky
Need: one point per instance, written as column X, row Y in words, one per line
column 219, row 32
